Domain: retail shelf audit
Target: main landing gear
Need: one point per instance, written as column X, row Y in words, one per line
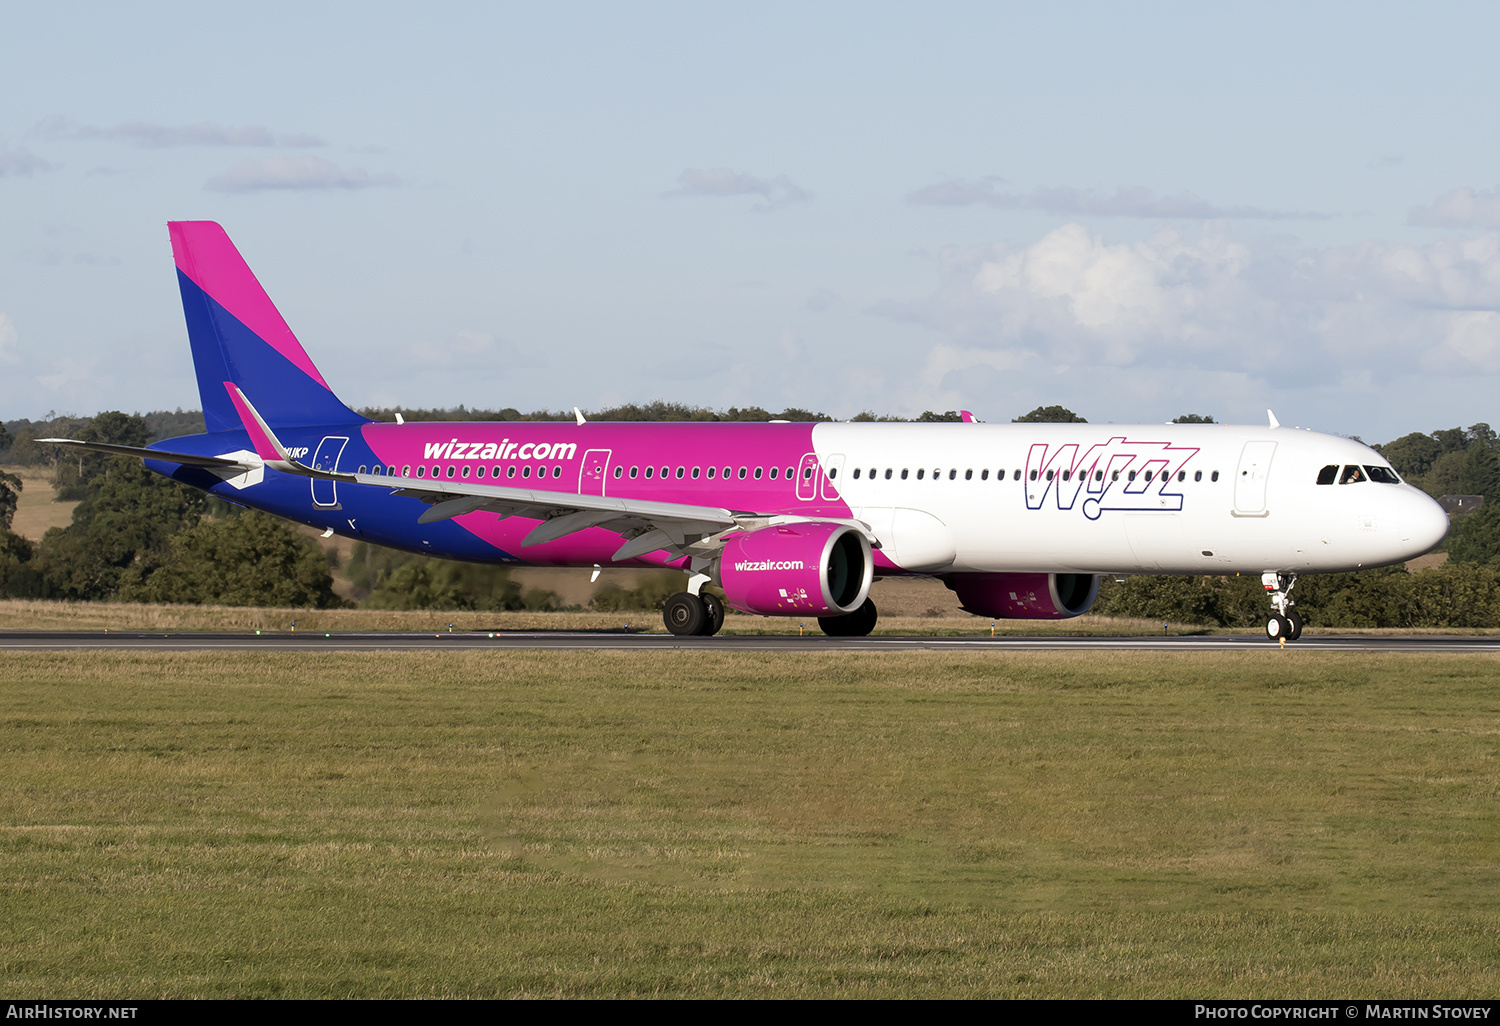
column 686, row 614
column 1285, row 622
column 851, row 625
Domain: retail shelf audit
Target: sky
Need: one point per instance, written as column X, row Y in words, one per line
column 1135, row 211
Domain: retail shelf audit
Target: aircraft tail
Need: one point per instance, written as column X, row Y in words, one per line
column 238, row 336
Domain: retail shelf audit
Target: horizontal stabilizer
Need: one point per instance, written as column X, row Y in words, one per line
column 186, row 459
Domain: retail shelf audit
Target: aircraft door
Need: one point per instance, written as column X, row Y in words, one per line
column 1250, row 479
column 832, row 468
column 325, row 493
column 594, row 473
column 807, row 478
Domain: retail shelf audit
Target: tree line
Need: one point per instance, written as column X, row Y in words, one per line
column 136, row 536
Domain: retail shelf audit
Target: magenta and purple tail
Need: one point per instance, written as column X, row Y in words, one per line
column 238, row 336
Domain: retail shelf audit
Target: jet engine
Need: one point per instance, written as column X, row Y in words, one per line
column 811, row 568
column 1025, row 596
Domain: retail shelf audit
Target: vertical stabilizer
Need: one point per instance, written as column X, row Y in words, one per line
column 238, row 335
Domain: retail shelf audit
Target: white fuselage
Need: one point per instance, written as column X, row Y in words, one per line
column 1099, row 498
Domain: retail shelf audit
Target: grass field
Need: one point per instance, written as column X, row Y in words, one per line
column 590, row 824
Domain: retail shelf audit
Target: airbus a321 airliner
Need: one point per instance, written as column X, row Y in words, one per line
column 787, row 519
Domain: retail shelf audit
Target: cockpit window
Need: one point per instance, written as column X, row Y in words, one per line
column 1352, row 475
column 1328, row 474
column 1382, row 475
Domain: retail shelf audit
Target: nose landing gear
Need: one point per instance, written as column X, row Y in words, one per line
column 1285, row 622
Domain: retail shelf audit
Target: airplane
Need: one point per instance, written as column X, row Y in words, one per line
column 786, row 519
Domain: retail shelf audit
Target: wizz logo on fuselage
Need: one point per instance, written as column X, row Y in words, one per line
column 1118, row 474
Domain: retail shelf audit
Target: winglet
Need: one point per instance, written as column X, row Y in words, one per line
column 966, row 417
column 267, row 446
column 1274, row 422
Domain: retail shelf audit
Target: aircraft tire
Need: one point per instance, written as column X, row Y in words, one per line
column 714, row 621
column 1278, row 627
column 852, row 625
column 1295, row 619
column 684, row 614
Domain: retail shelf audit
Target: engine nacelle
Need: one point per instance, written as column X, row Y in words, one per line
column 1025, row 596
column 811, row 568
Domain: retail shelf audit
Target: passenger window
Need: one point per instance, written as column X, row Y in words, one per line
column 773, row 473
column 921, row 471
column 1327, row 475
column 1182, row 475
column 466, row 471
column 1049, row 475
column 968, row 475
column 711, row 472
column 872, row 473
column 557, row 472
column 495, row 472
column 1115, row 476
column 391, row 471
column 758, row 472
column 1148, row 475
column 618, row 472
column 1130, row 476
column 1351, row 475
column 1197, row 475
column 1067, row 475
column 833, row 472
column 680, row 472
column 984, row 475
column 887, row 473
column 526, row 471
column 903, row 474
column 1383, row 475
column 361, row 468
column 1214, row 476
column 1015, row 476
column 728, row 473
column 775, row 469
column 510, row 471
column 1033, row 475
column 649, row 472
column 695, row 473
column 1098, row 475
column 665, row 471
column 422, row 471
column 633, row 472
column 479, row 470
column 790, row 473
column 742, row 473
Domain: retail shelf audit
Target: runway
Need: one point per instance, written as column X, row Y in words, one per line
column 387, row 641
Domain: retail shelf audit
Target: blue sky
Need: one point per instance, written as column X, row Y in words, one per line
column 1132, row 210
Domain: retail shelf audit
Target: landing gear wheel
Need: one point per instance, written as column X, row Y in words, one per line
column 684, row 614
column 714, row 621
column 1295, row 619
column 852, row 625
column 1278, row 627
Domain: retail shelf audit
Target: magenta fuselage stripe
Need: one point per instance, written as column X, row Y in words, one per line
column 204, row 253
column 584, row 458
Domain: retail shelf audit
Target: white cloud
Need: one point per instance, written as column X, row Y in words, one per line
column 295, row 173
column 1461, row 208
column 1206, row 303
column 719, row 182
column 19, row 162
column 153, row 136
column 1136, row 201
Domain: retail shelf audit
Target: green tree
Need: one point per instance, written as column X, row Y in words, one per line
column 1050, row 415
column 1192, row 418
column 247, row 560
column 6, row 440
column 1475, row 537
column 10, row 498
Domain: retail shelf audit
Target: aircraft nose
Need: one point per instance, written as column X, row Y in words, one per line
column 1423, row 523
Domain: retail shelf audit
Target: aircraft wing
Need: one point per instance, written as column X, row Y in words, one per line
column 678, row 528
